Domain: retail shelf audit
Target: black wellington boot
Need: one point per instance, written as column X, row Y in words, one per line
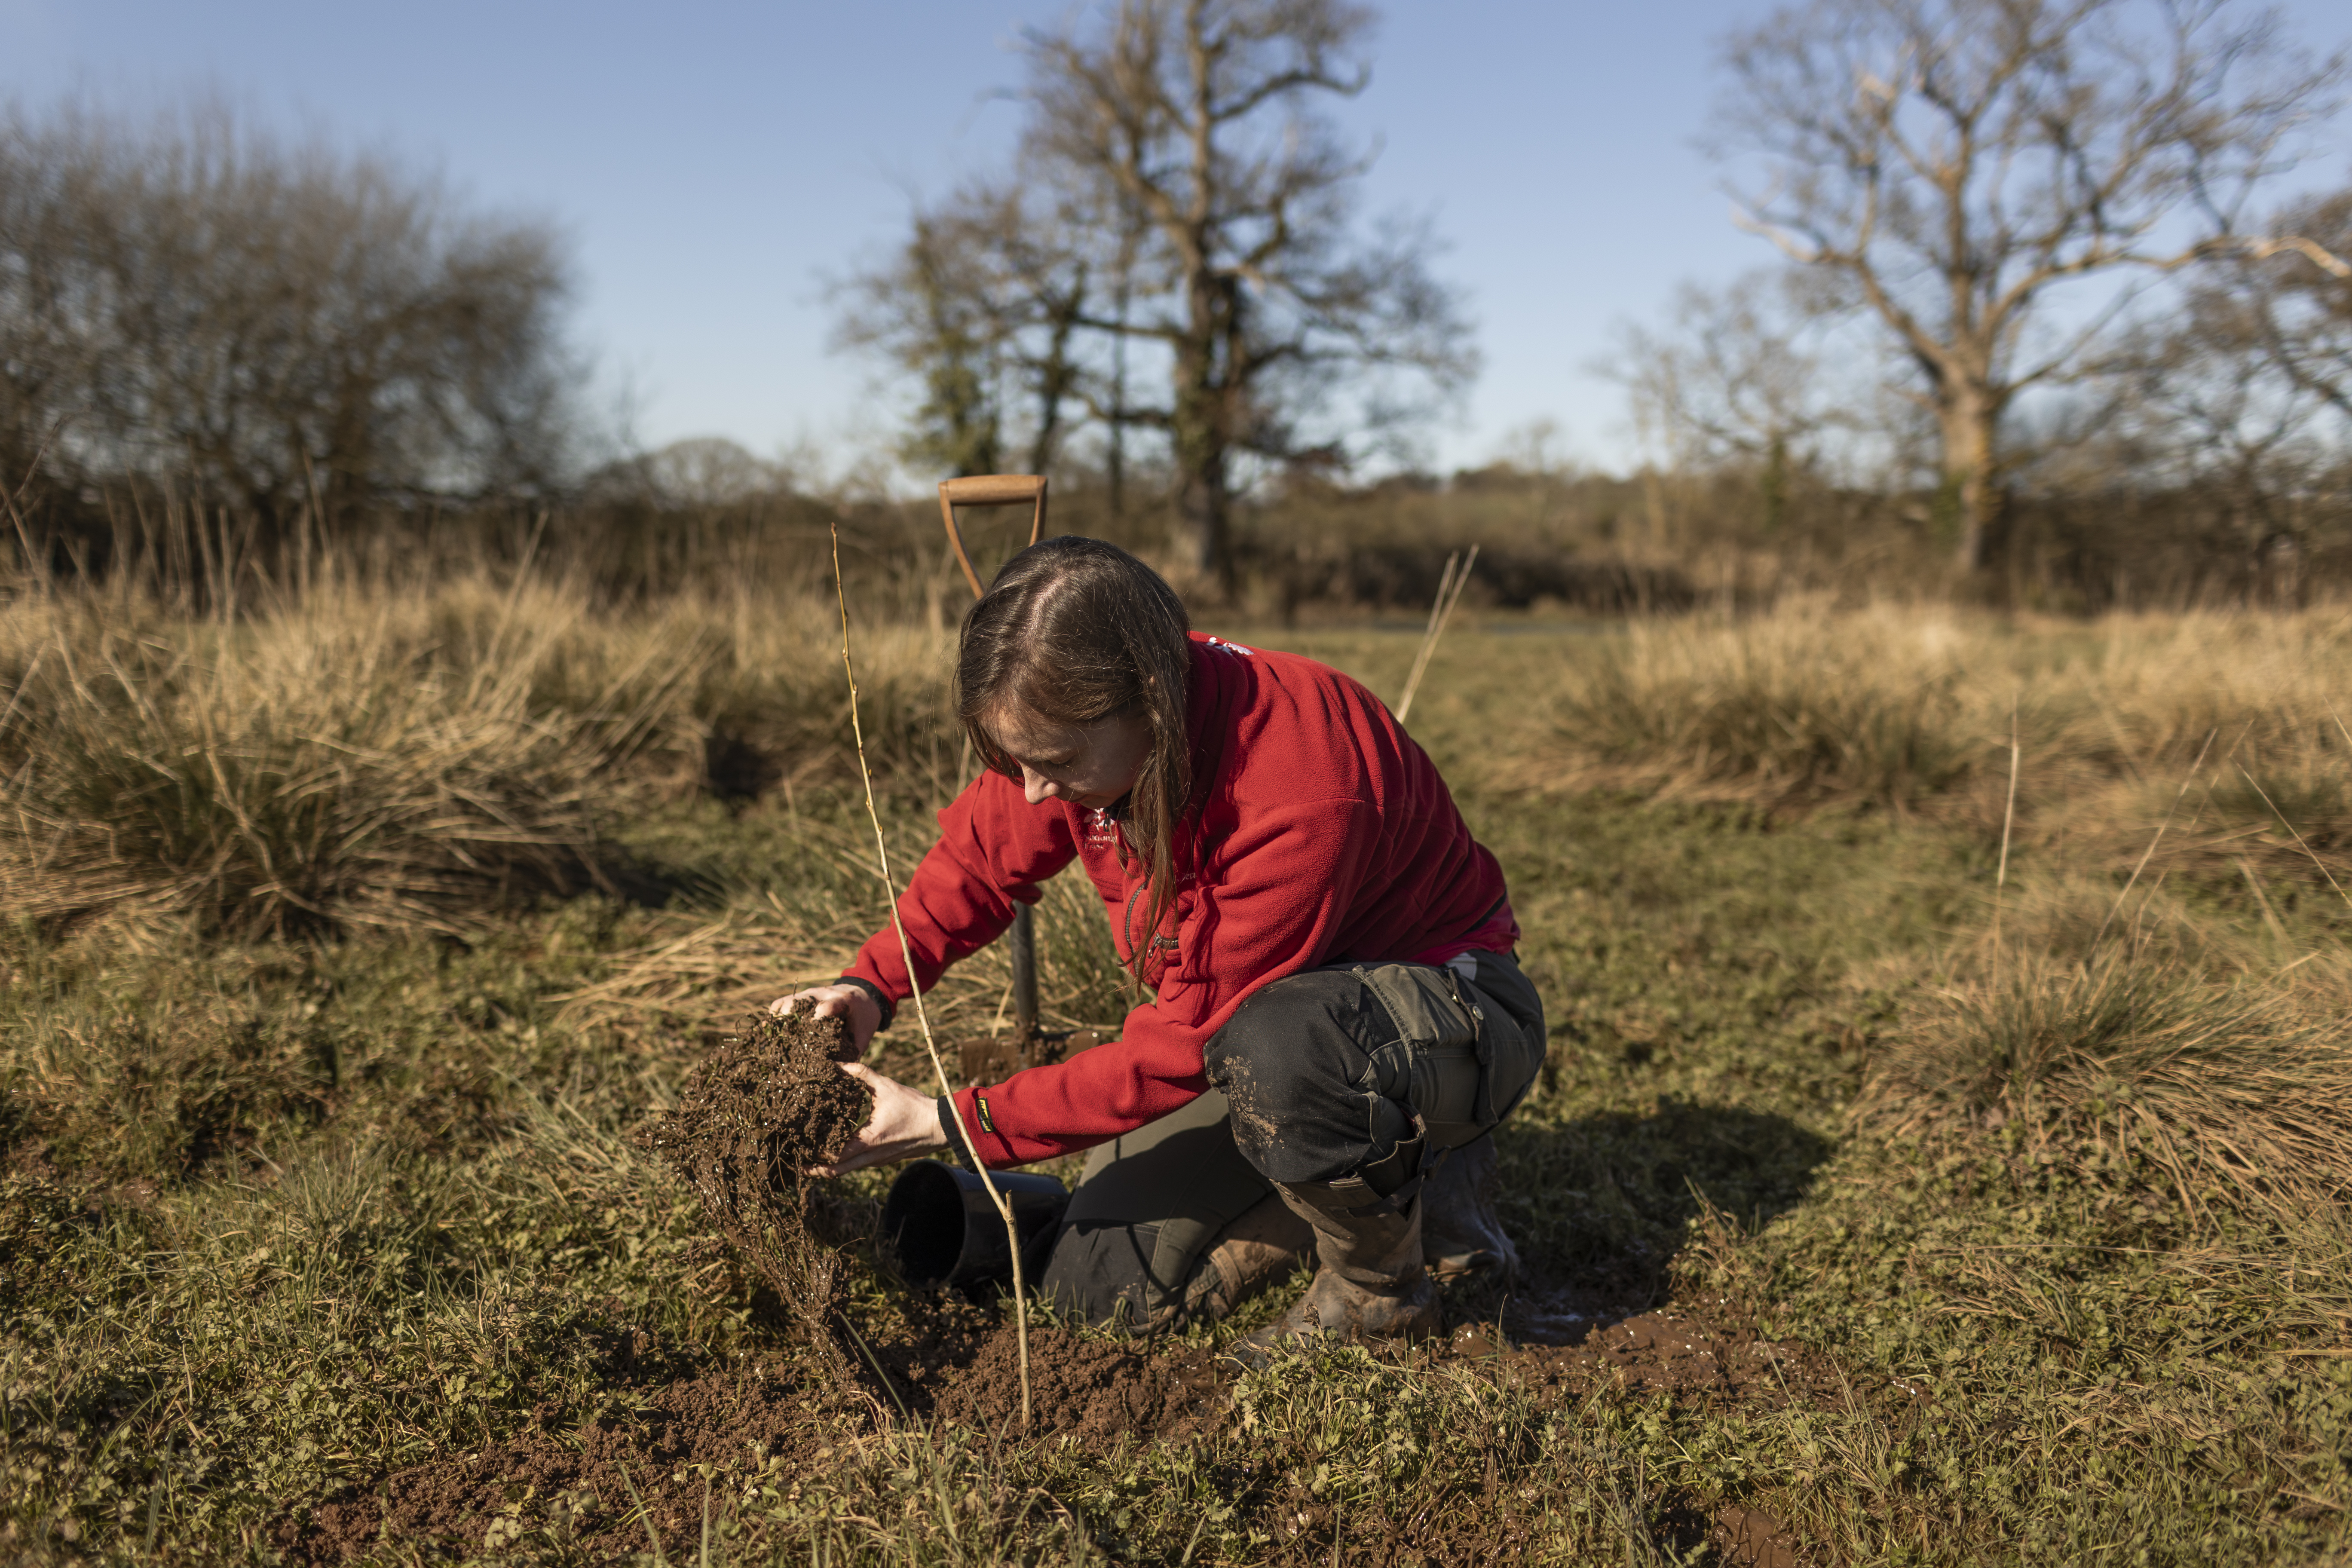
column 1460, row 1234
column 1370, row 1284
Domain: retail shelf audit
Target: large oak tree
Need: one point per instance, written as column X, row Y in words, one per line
column 1953, row 164
column 1179, row 192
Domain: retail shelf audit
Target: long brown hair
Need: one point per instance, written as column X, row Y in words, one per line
column 1078, row 631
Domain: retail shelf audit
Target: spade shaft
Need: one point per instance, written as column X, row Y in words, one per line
column 1003, row 490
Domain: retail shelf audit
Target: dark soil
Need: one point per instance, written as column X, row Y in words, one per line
column 1666, row 1352
column 1751, row 1538
column 570, row 1485
column 1661, row 1352
column 572, row 1488
column 758, row 1111
column 1097, row 1391
column 983, row 1059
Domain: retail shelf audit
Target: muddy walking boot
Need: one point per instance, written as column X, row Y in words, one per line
column 1369, row 1285
column 1460, row 1234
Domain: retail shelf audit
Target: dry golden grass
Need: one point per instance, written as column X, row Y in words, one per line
column 374, row 757
column 2239, row 1083
column 1912, row 707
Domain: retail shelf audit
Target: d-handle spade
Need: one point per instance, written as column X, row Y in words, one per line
column 1003, row 490
column 991, row 489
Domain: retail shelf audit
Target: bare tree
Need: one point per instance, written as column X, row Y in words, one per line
column 2239, row 399
column 2292, row 306
column 983, row 304
column 1741, row 377
column 1178, row 193
column 1951, row 163
column 1199, row 117
column 931, row 309
column 278, row 329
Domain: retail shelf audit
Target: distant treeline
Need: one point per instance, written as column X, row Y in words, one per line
column 232, row 367
column 1652, row 543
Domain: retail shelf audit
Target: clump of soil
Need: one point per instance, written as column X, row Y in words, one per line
column 762, row 1108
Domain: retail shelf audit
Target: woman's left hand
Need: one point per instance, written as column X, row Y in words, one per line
column 905, row 1124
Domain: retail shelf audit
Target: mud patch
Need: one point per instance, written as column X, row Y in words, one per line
column 758, row 1111
column 1750, row 1537
column 1661, row 1351
column 572, row 1488
column 1097, row 1391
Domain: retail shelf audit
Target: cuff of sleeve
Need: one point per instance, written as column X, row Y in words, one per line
column 949, row 1128
column 890, row 1009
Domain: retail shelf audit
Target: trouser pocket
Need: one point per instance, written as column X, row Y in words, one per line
column 1361, row 1070
column 1458, row 1060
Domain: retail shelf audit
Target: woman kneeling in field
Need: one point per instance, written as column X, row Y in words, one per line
column 1338, row 1021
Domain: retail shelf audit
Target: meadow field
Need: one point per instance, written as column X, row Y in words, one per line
column 1942, row 1156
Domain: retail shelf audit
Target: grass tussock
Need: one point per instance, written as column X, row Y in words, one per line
column 369, row 759
column 1915, row 708
column 1767, row 706
column 2233, row 1087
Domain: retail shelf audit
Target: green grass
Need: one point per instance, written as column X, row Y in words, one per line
column 282, row 1213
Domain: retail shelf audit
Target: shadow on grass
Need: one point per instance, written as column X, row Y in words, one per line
column 1601, row 1204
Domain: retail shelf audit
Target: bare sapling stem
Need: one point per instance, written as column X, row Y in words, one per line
column 2007, row 817
column 1441, row 611
column 922, row 1016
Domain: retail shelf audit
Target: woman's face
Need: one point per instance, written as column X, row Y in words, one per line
column 1087, row 765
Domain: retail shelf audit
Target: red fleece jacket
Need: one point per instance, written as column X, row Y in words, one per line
column 1321, row 832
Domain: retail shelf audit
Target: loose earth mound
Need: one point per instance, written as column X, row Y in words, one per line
column 674, row 1438
column 681, row 1439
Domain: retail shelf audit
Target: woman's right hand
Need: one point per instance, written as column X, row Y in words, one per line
column 864, row 1015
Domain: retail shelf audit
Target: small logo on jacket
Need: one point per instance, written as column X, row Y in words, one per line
column 1232, row 648
column 985, row 1124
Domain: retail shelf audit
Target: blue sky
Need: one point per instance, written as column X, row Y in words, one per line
column 714, row 163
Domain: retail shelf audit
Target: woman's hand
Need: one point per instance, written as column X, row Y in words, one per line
column 864, row 1015
column 905, row 1124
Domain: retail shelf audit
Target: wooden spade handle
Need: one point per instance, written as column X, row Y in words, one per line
column 990, row 490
